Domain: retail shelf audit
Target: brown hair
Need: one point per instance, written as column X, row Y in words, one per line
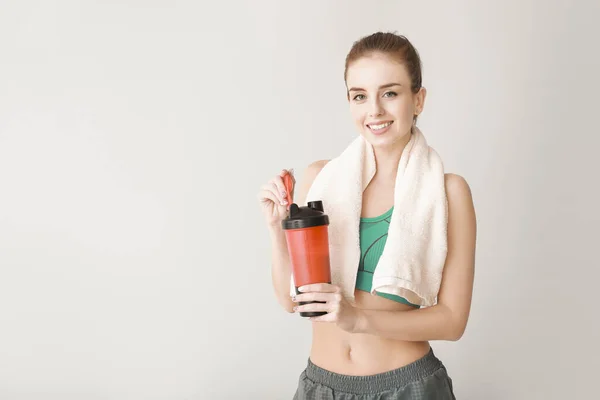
column 396, row 46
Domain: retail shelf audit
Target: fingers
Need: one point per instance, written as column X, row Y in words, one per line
column 277, row 187
column 280, row 188
column 324, row 307
column 289, row 183
column 267, row 195
column 320, row 287
column 327, row 301
column 318, row 296
column 283, row 173
column 270, row 191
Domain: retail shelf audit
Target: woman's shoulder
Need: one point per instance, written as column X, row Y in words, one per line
column 458, row 193
column 308, row 177
column 455, row 182
column 317, row 166
column 456, row 185
column 314, row 169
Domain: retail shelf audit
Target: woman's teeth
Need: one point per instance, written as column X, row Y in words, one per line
column 380, row 126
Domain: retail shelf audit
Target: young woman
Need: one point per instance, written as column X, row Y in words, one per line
column 378, row 346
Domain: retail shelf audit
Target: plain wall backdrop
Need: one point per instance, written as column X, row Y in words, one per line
column 134, row 137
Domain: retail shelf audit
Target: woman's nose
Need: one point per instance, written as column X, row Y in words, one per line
column 375, row 109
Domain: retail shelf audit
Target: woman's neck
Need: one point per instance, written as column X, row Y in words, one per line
column 387, row 158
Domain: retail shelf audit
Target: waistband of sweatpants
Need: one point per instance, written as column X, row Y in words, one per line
column 393, row 379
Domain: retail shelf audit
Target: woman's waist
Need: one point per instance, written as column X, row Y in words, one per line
column 361, row 354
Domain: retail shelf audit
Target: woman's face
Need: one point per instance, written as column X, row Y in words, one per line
column 381, row 101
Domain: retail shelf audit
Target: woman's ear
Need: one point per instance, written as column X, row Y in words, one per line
column 420, row 100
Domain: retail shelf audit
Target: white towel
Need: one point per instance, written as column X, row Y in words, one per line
column 415, row 252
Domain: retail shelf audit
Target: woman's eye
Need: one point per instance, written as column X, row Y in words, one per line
column 359, row 97
column 390, row 94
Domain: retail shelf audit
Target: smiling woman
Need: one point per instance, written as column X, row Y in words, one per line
column 373, row 341
column 383, row 76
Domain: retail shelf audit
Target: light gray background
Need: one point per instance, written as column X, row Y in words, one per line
column 134, row 135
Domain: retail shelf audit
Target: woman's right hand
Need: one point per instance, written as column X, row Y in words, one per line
column 272, row 199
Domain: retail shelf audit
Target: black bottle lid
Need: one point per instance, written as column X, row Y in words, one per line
column 305, row 217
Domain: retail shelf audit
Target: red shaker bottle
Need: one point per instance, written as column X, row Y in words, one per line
column 306, row 231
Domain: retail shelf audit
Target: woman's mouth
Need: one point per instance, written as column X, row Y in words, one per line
column 379, row 127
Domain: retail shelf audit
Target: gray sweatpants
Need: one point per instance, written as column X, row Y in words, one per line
column 424, row 379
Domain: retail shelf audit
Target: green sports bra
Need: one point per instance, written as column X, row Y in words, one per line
column 373, row 236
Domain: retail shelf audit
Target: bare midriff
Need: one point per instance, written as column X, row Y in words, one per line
column 362, row 354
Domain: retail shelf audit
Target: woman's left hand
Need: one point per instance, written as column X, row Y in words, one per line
column 337, row 307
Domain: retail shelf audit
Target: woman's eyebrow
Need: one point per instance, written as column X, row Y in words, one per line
column 387, row 85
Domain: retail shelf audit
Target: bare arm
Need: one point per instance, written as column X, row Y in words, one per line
column 447, row 320
column 281, row 266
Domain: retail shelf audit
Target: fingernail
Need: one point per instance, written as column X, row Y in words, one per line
column 293, row 298
column 301, row 289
